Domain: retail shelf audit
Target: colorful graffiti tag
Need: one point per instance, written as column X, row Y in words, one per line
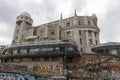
column 15, row 76
column 46, row 70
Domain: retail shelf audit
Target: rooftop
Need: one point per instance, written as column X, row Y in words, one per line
column 25, row 14
column 108, row 44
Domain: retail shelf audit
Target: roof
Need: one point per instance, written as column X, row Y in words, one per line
column 49, row 42
column 108, row 44
column 25, row 14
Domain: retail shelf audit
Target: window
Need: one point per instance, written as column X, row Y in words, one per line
column 32, row 32
column 78, row 22
column 46, row 58
column 118, row 52
column 26, row 18
column 94, row 22
column 42, row 32
column 90, row 41
column 106, row 51
column 80, row 41
column 25, row 59
column 30, row 19
column 54, row 58
column 90, row 33
column 35, row 31
column 68, row 33
column 46, row 49
column 81, row 49
column 16, row 60
column 52, row 33
column 79, row 32
column 35, row 59
column 23, row 36
column 51, row 38
column 19, row 23
column 7, row 60
column 16, row 37
column 88, row 22
column 69, row 49
column 96, row 42
column 70, row 59
column 23, row 51
column 17, row 31
column 34, row 51
column 67, row 24
column 15, row 52
column 57, row 49
column 95, row 34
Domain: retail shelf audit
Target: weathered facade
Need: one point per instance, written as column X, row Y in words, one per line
column 81, row 29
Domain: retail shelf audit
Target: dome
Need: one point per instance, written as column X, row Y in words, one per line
column 25, row 14
column 94, row 15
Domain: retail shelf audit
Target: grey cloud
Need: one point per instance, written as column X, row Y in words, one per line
column 44, row 11
column 79, row 4
column 111, row 25
column 8, row 13
column 48, row 11
column 8, row 10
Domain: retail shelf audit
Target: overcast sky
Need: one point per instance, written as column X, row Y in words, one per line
column 43, row 11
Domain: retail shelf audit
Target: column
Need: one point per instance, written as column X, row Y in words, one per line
column 93, row 38
column 87, row 38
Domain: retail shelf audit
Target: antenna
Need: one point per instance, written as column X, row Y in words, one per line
column 61, row 16
column 75, row 14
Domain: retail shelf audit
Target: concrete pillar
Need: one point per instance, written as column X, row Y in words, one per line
column 87, row 38
column 58, row 32
column 93, row 38
column 85, row 20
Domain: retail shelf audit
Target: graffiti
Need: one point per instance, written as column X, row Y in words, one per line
column 45, row 70
column 30, row 69
column 14, row 68
column 14, row 76
column 93, row 66
column 102, row 68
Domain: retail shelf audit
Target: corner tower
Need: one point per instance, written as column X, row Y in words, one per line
column 23, row 23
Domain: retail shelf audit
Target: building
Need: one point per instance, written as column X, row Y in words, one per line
column 45, row 57
column 105, row 61
column 111, row 48
column 81, row 29
column 64, row 47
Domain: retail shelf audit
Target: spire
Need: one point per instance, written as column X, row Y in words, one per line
column 75, row 14
column 61, row 16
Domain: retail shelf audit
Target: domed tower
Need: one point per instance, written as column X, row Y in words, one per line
column 94, row 18
column 23, row 22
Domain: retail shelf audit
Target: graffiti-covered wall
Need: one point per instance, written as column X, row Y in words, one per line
column 15, row 76
column 31, row 69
